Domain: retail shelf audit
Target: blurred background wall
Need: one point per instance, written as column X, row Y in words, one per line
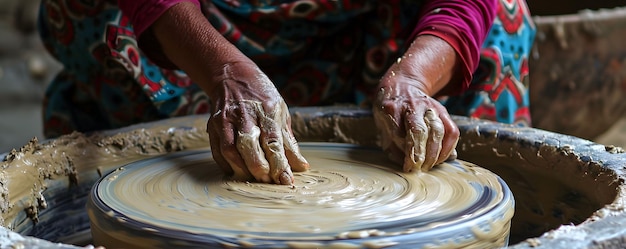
column 25, row 68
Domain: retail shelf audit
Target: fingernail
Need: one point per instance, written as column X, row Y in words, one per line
column 285, row 179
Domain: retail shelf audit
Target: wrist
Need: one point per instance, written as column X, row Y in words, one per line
column 408, row 72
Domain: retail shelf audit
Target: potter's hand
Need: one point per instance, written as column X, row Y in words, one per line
column 416, row 130
column 250, row 127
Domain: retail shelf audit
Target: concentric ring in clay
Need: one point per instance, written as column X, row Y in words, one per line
column 352, row 197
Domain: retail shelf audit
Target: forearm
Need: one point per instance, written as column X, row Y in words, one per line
column 464, row 26
column 430, row 63
column 188, row 40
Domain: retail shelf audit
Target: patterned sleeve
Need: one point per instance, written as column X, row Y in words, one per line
column 463, row 24
column 142, row 13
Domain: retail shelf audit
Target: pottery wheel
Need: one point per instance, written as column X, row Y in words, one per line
column 352, row 197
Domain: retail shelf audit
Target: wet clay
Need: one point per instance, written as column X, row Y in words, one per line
column 354, row 197
column 73, row 158
column 558, row 171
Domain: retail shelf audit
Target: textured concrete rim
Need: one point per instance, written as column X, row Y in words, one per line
column 599, row 231
column 324, row 123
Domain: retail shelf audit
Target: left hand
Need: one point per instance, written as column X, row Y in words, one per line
column 416, row 130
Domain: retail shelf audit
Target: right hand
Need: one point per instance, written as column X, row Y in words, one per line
column 416, row 130
column 250, row 127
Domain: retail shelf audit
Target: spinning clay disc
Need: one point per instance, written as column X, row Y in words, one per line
column 352, row 197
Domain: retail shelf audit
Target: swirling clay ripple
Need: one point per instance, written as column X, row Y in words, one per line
column 352, row 197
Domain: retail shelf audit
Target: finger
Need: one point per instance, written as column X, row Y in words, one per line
column 388, row 127
column 280, row 171
column 415, row 142
column 214, row 140
column 250, row 150
column 243, row 117
column 273, row 146
column 435, row 130
column 450, row 140
column 389, row 138
column 231, row 154
column 292, row 151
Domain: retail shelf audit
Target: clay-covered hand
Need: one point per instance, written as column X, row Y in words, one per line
column 250, row 127
column 415, row 129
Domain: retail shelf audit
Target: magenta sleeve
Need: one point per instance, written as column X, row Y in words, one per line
column 464, row 24
column 142, row 13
